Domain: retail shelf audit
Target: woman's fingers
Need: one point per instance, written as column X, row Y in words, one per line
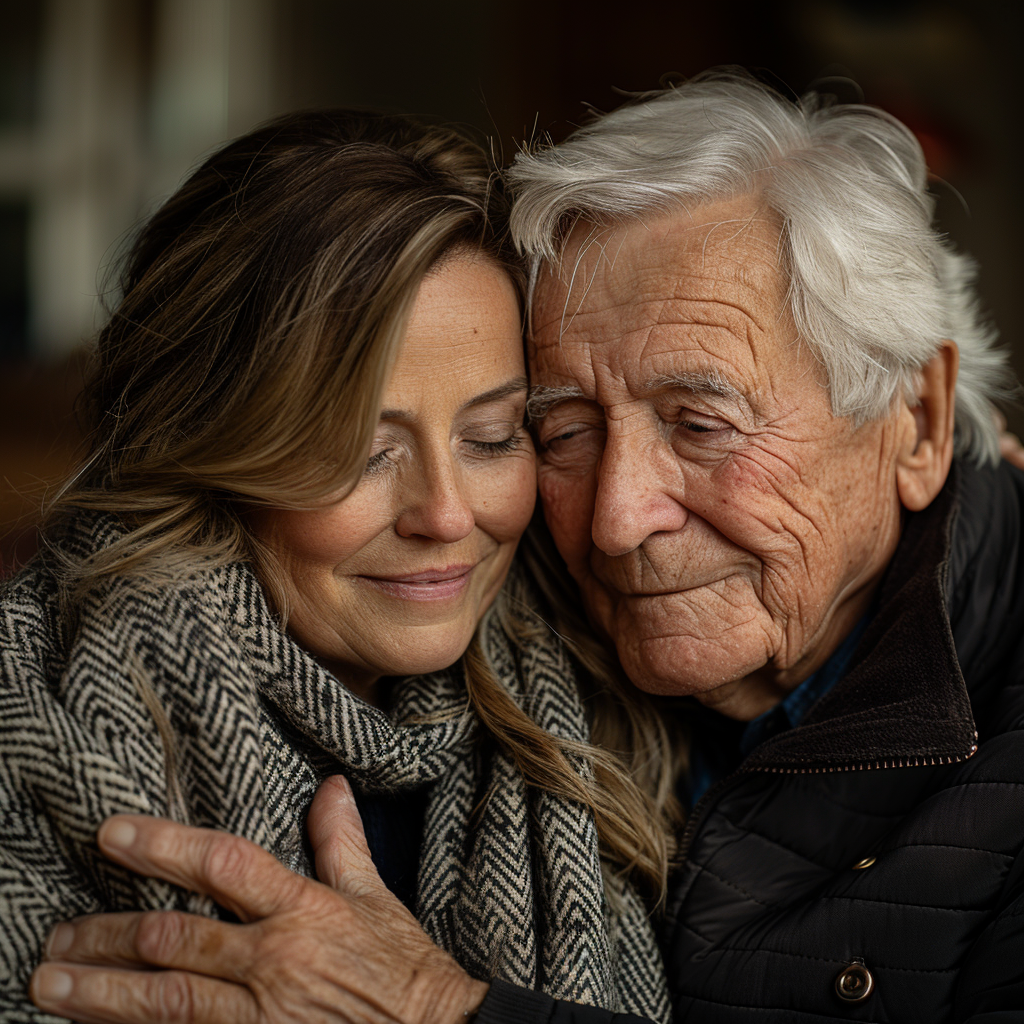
column 339, row 845
column 157, row 938
column 1011, row 449
column 238, row 874
column 96, row 995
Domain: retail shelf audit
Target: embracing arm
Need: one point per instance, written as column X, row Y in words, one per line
column 347, row 951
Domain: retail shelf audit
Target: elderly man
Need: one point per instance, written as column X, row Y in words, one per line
column 762, row 407
column 768, row 460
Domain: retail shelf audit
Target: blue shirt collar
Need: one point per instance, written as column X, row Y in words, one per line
column 715, row 755
column 789, row 713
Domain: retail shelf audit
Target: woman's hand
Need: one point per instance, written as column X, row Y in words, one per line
column 345, row 951
column 1010, row 447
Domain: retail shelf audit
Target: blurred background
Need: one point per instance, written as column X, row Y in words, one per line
column 106, row 104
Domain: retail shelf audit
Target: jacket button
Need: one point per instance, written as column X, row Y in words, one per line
column 865, row 863
column 854, row 983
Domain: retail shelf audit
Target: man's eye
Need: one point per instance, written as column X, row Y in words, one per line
column 566, row 435
column 573, row 447
column 563, row 436
column 698, row 423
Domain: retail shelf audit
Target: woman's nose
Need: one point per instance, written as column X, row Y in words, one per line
column 436, row 505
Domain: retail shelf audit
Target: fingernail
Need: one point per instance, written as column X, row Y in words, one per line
column 52, row 984
column 119, row 834
column 59, row 941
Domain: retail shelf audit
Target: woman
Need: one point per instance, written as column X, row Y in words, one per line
column 307, row 477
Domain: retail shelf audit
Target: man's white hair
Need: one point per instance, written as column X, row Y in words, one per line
column 874, row 287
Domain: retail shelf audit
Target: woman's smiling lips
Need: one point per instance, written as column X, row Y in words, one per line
column 428, row 585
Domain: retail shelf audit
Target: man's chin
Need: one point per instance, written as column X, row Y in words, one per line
column 706, row 668
column 690, row 642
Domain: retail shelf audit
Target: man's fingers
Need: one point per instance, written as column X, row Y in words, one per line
column 236, row 873
column 96, row 995
column 339, row 845
column 156, row 938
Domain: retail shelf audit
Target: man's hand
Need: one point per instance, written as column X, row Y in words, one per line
column 344, row 951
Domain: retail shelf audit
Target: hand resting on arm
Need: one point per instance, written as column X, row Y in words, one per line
column 344, row 951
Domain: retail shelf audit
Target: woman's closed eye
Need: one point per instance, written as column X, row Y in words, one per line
column 503, row 447
column 392, row 445
column 477, row 447
column 378, row 461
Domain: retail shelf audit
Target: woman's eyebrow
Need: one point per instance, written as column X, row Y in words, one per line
column 511, row 387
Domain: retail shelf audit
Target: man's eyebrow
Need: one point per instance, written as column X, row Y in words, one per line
column 701, row 382
column 511, row 387
column 542, row 398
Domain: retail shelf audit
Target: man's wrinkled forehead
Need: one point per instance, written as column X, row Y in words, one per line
column 609, row 268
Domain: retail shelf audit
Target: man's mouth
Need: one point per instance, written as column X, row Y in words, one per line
column 677, row 590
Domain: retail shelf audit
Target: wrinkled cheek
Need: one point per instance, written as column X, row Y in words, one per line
column 789, row 528
column 690, row 643
column 568, row 504
column 657, row 656
column 505, row 510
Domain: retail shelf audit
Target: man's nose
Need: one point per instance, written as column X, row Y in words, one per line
column 435, row 504
column 635, row 498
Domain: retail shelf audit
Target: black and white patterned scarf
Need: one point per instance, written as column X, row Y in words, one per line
column 189, row 702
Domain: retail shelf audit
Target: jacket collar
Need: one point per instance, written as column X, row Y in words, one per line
column 903, row 700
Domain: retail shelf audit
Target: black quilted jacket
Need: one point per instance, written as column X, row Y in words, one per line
column 867, row 865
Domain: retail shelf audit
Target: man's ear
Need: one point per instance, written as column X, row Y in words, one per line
column 922, row 464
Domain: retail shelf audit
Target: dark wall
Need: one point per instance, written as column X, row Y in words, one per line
column 535, row 68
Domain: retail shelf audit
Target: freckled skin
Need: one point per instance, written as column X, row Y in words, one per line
column 434, row 495
column 726, row 543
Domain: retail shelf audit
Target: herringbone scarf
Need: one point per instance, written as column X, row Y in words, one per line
column 509, row 879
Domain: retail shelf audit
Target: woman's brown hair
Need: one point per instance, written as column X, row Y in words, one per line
column 262, row 309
